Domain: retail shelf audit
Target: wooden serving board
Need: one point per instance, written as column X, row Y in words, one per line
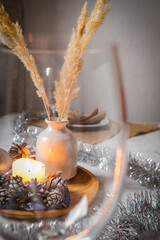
column 83, row 183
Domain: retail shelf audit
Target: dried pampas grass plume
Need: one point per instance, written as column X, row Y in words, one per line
column 66, row 89
column 11, row 35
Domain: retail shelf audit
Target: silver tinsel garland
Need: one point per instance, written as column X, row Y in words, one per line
column 23, row 132
column 100, row 156
column 144, row 170
column 140, row 216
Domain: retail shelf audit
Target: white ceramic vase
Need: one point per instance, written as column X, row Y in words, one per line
column 56, row 147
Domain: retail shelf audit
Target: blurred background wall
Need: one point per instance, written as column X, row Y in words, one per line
column 47, row 24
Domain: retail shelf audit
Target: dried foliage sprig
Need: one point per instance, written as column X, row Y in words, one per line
column 11, row 35
column 66, row 89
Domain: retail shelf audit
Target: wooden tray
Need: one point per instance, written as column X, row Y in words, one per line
column 83, row 183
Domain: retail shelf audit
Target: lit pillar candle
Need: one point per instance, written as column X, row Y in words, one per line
column 29, row 169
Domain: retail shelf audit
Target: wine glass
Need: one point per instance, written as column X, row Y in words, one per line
column 101, row 151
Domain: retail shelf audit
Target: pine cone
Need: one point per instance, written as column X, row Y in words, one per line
column 51, row 177
column 58, row 194
column 4, row 197
column 16, row 188
column 20, row 150
column 58, row 183
column 16, row 150
column 54, row 198
column 35, row 191
column 4, row 180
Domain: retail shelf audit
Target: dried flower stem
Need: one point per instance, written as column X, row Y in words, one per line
column 11, row 35
column 66, row 89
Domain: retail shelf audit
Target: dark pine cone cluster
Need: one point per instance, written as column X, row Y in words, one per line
column 53, row 194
